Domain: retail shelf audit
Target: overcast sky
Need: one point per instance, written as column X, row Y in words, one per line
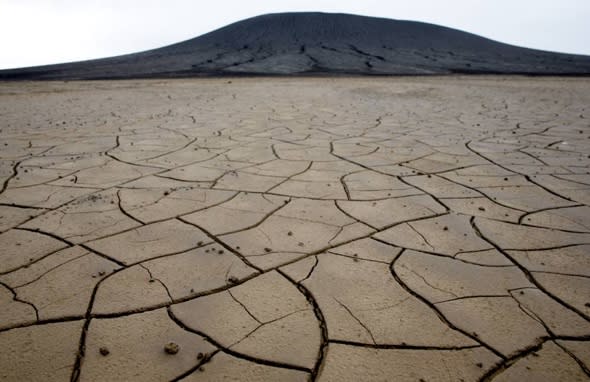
column 36, row 32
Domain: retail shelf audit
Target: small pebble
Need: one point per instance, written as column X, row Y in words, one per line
column 104, row 351
column 171, row 348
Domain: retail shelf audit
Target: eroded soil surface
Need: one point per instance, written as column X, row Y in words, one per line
column 343, row 229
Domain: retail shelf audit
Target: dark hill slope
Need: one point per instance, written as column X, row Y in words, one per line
column 307, row 43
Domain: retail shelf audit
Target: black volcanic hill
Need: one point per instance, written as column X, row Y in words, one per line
column 309, row 43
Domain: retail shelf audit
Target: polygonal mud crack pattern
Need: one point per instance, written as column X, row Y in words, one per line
column 295, row 229
column 265, row 318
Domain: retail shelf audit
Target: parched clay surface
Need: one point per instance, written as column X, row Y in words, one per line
column 293, row 229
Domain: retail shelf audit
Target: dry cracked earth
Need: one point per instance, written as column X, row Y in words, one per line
column 345, row 229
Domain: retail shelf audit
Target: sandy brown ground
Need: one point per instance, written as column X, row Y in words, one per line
column 347, row 229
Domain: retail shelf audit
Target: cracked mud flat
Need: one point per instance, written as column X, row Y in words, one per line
column 402, row 229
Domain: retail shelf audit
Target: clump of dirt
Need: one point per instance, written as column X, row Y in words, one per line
column 233, row 280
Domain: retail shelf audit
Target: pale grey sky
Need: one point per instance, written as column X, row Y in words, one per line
column 36, row 32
